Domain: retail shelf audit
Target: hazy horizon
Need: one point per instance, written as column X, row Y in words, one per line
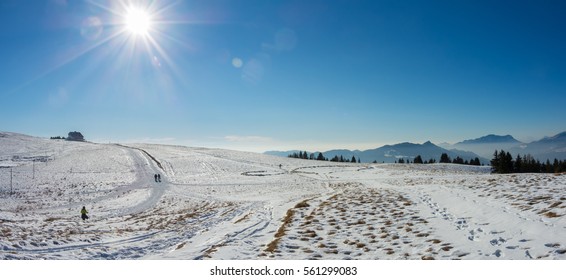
column 244, row 144
column 281, row 75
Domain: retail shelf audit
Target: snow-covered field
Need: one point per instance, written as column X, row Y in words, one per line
column 219, row 204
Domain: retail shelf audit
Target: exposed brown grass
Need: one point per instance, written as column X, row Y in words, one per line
column 310, row 234
column 302, row 204
column 553, row 205
column 552, row 215
column 272, row 246
column 181, row 245
column 389, row 251
column 287, row 220
column 446, row 248
column 211, row 250
column 243, row 218
column 6, row 232
column 308, row 251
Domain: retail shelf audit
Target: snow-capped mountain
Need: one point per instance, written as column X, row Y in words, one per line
column 392, row 153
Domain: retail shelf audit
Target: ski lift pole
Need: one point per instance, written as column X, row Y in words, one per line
column 11, row 180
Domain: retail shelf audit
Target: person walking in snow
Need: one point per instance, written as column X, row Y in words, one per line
column 155, row 177
column 83, row 213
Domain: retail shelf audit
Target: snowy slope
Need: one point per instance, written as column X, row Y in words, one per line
column 219, row 204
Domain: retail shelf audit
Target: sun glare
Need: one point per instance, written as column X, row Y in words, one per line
column 138, row 21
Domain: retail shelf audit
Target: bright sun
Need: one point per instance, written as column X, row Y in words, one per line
column 138, row 21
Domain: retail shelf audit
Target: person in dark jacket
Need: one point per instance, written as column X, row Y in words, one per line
column 155, row 177
column 83, row 213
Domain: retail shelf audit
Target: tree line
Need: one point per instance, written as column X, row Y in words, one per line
column 444, row 158
column 504, row 163
column 312, row 156
column 305, row 155
column 73, row 136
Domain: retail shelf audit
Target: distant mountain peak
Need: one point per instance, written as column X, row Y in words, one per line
column 491, row 138
column 557, row 136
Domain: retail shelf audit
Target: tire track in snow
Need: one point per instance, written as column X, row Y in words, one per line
column 144, row 180
column 145, row 152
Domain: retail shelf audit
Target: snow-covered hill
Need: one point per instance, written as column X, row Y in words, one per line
column 220, row 204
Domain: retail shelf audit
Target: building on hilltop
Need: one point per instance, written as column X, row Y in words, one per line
column 75, row 136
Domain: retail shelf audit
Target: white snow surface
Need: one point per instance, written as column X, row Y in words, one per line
column 221, row 204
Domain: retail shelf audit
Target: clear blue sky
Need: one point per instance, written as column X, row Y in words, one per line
column 265, row 75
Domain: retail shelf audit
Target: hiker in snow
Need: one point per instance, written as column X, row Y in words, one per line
column 155, row 177
column 83, row 213
column 159, row 177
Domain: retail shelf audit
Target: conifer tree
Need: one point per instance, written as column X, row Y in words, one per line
column 444, row 158
column 495, row 162
column 519, row 164
column 418, row 159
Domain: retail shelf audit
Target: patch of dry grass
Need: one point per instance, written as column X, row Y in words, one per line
column 551, row 214
column 272, row 246
column 302, row 204
column 243, row 218
column 181, row 245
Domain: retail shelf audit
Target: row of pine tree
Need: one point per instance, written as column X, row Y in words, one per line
column 503, row 163
column 444, row 158
column 311, row 156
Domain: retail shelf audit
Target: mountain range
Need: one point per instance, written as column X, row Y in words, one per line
column 483, row 148
column 393, row 153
